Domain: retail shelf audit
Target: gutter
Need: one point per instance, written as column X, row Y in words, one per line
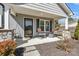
column 69, row 10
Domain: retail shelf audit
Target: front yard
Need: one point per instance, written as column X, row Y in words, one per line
column 49, row 49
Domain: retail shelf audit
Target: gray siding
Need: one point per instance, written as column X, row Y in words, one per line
column 17, row 24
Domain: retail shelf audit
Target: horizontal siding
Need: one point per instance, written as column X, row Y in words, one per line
column 17, row 24
column 50, row 7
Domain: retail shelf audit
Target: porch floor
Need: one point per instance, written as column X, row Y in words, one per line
column 38, row 40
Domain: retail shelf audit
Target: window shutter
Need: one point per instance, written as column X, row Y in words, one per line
column 50, row 25
column 37, row 24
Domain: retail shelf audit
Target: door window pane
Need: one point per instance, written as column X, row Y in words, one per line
column 41, row 25
column 28, row 27
column 47, row 25
column 47, row 28
column 42, row 28
column 44, row 25
column 41, row 22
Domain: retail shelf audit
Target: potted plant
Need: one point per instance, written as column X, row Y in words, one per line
column 39, row 30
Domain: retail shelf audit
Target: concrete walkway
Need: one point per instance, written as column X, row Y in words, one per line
column 31, row 51
column 48, row 49
column 29, row 48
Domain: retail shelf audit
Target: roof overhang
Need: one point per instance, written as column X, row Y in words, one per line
column 66, row 9
column 31, row 12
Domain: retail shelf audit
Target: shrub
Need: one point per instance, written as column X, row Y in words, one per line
column 7, row 47
column 65, row 45
column 76, row 33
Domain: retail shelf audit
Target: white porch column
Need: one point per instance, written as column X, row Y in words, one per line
column 66, row 23
column 54, row 24
column 6, row 17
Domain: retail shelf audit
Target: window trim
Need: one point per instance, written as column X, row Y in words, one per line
column 2, row 23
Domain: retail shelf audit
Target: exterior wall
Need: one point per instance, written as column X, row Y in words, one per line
column 17, row 24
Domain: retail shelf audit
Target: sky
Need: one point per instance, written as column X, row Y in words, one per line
column 74, row 8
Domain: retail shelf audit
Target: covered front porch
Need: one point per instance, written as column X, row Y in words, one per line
column 37, row 20
column 45, row 20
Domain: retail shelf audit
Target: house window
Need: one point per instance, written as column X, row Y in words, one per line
column 44, row 25
column 41, row 25
column 47, row 25
column 1, row 15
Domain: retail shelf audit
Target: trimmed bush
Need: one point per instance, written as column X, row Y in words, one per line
column 76, row 33
column 7, row 47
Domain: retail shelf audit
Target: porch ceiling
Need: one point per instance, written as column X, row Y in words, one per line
column 32, row 12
